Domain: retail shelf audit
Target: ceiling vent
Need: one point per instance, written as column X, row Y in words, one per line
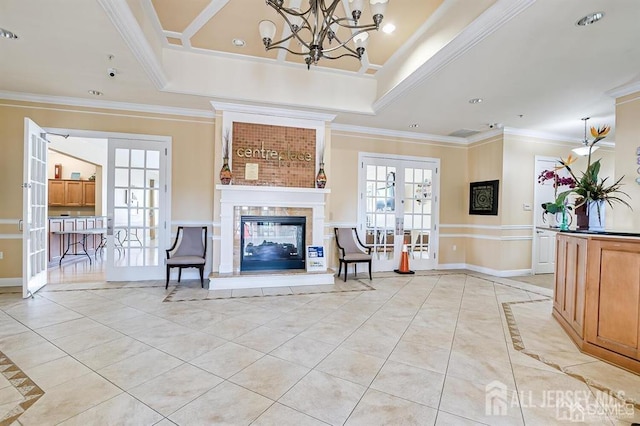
column 464, row 133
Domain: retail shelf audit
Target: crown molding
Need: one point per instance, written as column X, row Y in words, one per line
column 92, row 103
column 128, row 27
column 484, row 135
column 624, row 90
column 550, row 136
column 397, row 133
column 271, row 111
column 487, row 23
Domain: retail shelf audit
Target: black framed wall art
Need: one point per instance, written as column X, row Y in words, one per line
column 483, row 197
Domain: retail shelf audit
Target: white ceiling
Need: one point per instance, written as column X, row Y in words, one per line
column 533, row 67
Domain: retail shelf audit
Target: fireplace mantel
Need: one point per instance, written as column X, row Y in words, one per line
column 232, row 196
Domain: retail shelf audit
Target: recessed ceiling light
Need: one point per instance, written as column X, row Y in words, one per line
column 95, row 92
column 388, row 28
column 7, row 34
column 413, row 126
column 238, row 42
column 591, row 18
column 475, row 100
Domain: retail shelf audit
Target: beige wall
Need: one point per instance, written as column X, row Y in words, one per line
column 626, row 163
column 343, row 179
column 69, row 165
column 192, row 162
column 483, row 241
column 485, row 163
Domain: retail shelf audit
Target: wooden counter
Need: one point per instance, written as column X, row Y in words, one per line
column 597, row 295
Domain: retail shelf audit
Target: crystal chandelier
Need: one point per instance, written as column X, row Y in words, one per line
column 586, row 148
column 315, row 29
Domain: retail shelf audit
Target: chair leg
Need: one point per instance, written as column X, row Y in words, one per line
column 370, row 271
column 339, row 266
column 355, row 270
column 346, row 267
column 166, row 286
column 202, row 276
column 179, row 274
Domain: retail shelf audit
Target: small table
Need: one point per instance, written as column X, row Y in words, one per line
column 84, row 233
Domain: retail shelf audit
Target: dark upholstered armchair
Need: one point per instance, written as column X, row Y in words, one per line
column 351, row 250
column 188, row 251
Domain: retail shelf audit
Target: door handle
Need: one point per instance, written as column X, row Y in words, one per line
column 20, row 225
column 539, row 231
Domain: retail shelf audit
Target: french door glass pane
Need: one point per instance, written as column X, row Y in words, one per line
column 135, row 207
column 380, row 205
column 417, row 210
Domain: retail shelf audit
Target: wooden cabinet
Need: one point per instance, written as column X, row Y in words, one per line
column 89, row 193
column 615, row 293
column 56, row 192
column 597, row 295
column 72, row 193
column 571, row 280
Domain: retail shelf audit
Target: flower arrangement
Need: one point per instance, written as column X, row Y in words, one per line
column 561, row 202
column 590, row 187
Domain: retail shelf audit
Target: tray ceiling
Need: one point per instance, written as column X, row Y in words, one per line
column 211, row 26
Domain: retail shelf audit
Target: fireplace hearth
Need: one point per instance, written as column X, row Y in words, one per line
column 272, row 242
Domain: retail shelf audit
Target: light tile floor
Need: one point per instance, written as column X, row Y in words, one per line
column 432, row 348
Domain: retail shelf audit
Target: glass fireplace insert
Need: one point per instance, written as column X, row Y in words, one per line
column 272, row 242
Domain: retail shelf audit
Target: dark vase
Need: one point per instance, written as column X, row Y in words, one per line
column 321, row 178
column 225, row 172
column 582, row 220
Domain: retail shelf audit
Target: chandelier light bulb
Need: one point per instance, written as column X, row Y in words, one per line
column 378, row 7
column 267, row 31
column 361, row 40
column 356, row 8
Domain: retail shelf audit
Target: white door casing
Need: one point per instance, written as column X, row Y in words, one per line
column 34, row 209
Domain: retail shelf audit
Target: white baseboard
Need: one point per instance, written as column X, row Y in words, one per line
column 495, row 272
column 452, row 266
column 11, row 282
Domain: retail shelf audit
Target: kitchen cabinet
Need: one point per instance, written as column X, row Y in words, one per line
column 89, row 193
column 71, row 193
column 56, row 192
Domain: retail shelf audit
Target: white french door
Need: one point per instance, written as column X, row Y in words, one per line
column 398, row 207
column 137, row 202
column 34, row 209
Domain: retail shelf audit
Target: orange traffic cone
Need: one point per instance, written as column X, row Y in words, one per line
column 404, row 262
